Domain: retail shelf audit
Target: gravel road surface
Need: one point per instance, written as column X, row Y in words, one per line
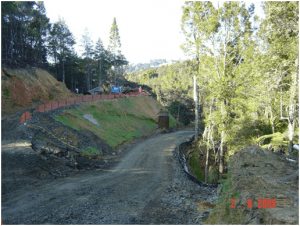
column 148, row 186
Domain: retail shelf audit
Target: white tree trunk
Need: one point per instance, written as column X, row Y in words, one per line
column 221, row 164
column 272, row 120
column 206, row 163
column 196, row 109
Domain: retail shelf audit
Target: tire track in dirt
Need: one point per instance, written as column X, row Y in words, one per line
column 121, row 195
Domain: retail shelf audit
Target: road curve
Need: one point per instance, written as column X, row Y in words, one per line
column 125, row 194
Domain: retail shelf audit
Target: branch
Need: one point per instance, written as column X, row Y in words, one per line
column 294, row 175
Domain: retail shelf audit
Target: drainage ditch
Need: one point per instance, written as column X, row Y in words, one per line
column 183, row 161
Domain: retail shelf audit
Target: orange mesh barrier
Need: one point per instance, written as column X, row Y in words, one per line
column 62, row 103
column 27, row 115
column 54, row 105
column 78, row 100
column 68, row 102
column 22, row 118
column 48, row 107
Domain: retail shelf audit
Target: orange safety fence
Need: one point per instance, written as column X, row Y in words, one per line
column 54, row 105
column 71, row 101
column 27, row 115
column 63, row 103
column 22, row 118
column 48, row 107
column 78, row 99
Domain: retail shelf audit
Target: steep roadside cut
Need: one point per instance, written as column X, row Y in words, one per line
column 264, row 186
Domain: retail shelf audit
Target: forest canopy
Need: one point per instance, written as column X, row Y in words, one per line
column 29, row 39
column 247, row 72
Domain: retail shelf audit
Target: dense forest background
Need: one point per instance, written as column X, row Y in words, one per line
column 246, row 67
column 29, row 39
column 247, row 75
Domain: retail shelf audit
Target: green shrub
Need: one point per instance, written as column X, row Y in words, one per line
column 91, row 151
column 39, row 137
column 51, row 97
column 6, row 92
column 213, row 175
column 172, row 121
column 196, row 166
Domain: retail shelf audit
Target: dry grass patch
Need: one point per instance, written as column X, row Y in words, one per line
column 204, row 205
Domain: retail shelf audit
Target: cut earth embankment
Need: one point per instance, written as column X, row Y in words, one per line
column 115, row 121
column 258, row 189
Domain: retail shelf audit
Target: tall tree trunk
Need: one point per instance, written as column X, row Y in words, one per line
column 178, row 112
column 87, row 81
column 21, row 39
column 99, row 76
column 55, row 63
column 221, row 163
column 213, row 142
column 293, row 100
column 291, row 135
column 272, row 119
column 196, row 109
column 11, row 43
column 210, row 128
column 206, row 162
column 40, row 43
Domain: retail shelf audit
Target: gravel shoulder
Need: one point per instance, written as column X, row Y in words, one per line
column 146, row 186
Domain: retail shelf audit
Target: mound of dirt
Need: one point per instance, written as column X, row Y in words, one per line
column 22, row 87
column 262, row 187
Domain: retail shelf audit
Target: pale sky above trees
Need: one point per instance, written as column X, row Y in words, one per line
column 148, row 29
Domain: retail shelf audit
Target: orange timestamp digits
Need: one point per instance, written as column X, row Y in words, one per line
column 262, row 203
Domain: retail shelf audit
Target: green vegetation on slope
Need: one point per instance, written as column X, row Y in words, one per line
column 91, row 151
column 119, row 120
column 196, row 166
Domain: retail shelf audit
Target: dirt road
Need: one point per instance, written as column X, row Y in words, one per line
column 146, row 187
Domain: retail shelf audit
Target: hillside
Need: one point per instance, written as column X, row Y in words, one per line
column 80, row 136
column 22, row 88
column 98, row 134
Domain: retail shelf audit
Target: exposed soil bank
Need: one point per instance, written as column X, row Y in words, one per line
column 256, row 174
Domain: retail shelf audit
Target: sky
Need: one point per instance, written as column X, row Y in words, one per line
column 148, row 29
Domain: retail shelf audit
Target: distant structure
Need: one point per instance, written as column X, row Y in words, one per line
column 94, row 91
column 163, row 119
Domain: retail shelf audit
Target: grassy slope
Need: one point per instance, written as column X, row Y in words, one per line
column 120, row 120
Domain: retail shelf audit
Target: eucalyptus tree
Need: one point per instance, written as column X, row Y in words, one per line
column 221, row 36
column 199, row 21
column 229, row 45
column 280, row 32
